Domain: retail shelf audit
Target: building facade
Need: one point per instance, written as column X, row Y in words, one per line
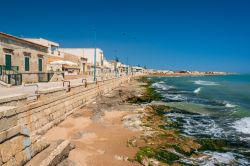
column 53, row 48
column 108, row 69
column 88, row 53
column 21, row 58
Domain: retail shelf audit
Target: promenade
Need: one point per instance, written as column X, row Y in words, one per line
column 30, row 89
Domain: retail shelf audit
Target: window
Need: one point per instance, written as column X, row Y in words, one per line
column 40, row 64
column 53, row 49
column 27, row 63
column 8, row 62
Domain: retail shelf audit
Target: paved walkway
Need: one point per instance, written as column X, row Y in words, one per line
column 30, row 90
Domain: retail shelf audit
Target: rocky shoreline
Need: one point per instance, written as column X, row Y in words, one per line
column 161, row 141
column 157, row 146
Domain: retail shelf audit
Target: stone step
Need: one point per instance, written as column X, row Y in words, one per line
column 57, row 152
column 3, row 84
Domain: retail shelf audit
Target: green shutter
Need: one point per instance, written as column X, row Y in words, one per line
column 8, row 62
column 40, row 64
column 27, row 63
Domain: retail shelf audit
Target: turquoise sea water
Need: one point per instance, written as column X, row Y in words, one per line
column 220, row 107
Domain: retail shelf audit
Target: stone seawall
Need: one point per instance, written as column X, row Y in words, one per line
column 23, row 123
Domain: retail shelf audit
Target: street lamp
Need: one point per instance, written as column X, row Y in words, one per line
column 94, row 55
column 127, row 67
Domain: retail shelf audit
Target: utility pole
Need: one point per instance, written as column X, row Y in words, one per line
column 94, row 55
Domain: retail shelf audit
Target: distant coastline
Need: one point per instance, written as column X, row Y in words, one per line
column 190, row 74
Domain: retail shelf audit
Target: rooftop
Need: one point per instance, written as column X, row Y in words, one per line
column 42, row 41
column 21, row 39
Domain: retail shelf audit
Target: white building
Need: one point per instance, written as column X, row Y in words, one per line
column 108, row 68
column 137, row 70
column 122, row 69
column 88, row 53
column 53, row 47
column 53, row 51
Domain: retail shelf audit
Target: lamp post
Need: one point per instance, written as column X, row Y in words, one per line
column 127, row 67
column 94, row 55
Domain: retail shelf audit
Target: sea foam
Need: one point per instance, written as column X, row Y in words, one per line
column 210, row 158
column 197, row 91
column 242, row 125
column 174, row 97
column 205, row 83
column 229, row 105
column 228, row 158
column 196, row 125
column 160, row 85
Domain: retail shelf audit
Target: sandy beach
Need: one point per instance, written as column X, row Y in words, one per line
column 97, row 131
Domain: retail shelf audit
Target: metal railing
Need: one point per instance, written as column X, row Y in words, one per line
column 13, row 79
column 8, row 70
column 10, row 75
column 34, row 96
column 44, row 77
column 68, row 87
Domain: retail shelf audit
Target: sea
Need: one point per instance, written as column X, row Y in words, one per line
column 219, row 108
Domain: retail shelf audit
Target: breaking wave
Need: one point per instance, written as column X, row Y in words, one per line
column 242, row 125
column 160, row 85
column 210, row 158
column 175, row 97
column 205, row 83
column 229, row 105
column 197, row 125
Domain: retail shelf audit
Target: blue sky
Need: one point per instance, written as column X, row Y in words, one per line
column 163, row 34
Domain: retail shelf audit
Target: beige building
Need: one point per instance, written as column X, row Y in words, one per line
column 80, row 61
column 21, row 60
column 88, row 53
column 77, row 65
column 64, row 57
column 77, row 70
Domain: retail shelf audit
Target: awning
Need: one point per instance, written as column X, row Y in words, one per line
column 63, row 63
column 71, row 67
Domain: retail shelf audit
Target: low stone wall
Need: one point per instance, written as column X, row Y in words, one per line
column 13, row 100
column 29, row 78
column 21, row 127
